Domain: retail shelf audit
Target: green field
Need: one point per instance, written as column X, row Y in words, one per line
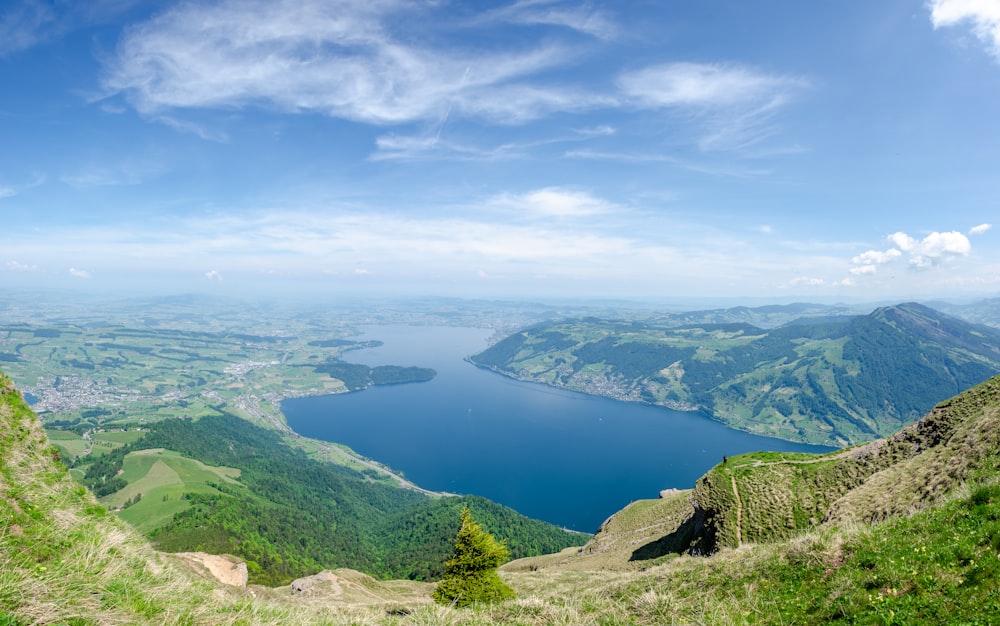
column 104, row 376
column 162, row 479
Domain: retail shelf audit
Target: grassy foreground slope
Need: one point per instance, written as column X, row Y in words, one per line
column 65, row 560
column 833, row 381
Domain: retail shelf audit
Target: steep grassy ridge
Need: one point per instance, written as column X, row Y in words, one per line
column 833, row 381
column 64, row 560
column 772, row 497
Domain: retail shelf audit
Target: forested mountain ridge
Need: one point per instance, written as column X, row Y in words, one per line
column 289, row 515
column 829, row 380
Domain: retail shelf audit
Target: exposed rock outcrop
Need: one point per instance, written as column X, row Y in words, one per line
column 226, row 569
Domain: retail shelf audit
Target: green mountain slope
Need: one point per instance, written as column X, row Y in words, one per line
column 829, row 380
column 65, row 560
column 903, row 530
column 290, row 515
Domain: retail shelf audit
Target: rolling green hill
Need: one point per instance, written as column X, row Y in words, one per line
column 829, row 380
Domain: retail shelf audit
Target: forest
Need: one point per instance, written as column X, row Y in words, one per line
column 291, row 515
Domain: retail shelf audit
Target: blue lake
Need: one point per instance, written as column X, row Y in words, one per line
column 560, row 456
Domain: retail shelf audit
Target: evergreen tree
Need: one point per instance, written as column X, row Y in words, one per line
column 471, row 573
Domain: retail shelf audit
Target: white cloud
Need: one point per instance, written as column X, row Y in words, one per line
column 767, row 229
column 735, row 102
column 862, row 270
column 213, row 275
column 603, row 130
column 555, row 202
column 705, row 85
column 77, row 273
column 806, row 281
column 554, row 12
column 9, row 191
column 337, row 58
column 876, row 257
column 14, row 266
column 933, row 249
column 26, row 23
column 982, row 15
column 979, row 230
column 921, row 254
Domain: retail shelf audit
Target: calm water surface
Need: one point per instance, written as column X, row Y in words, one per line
column 564, row 457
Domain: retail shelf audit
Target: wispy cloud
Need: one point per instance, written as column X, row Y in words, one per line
column 15, row 266
column 712, row 169
column 573, row 15
column 734, row 103
column 336, row 58
column 351, row 61
column 979, row 230
column 555, row 202
column 982, row 15
column 27, row 23
column 78, row 273
column 9, row 191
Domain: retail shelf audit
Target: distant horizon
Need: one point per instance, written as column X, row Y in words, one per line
column 298, row 299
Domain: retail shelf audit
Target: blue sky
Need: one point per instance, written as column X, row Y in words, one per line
column 542, row 148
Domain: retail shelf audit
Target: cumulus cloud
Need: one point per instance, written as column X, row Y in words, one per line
column 979, row 230
column 933, row 249
column 921, row 254
column 78, row 273
column 982, row 15
column 876, row 257
column 861, row 270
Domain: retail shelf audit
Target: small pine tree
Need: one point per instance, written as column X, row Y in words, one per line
column 471, row 573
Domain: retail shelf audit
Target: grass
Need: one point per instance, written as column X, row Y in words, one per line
column 162, row 478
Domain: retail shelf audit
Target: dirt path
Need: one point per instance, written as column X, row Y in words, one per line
column 739, row 512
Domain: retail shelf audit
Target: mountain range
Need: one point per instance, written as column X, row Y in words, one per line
column 833, row 380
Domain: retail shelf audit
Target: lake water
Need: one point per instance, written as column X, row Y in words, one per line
column 560, row 456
